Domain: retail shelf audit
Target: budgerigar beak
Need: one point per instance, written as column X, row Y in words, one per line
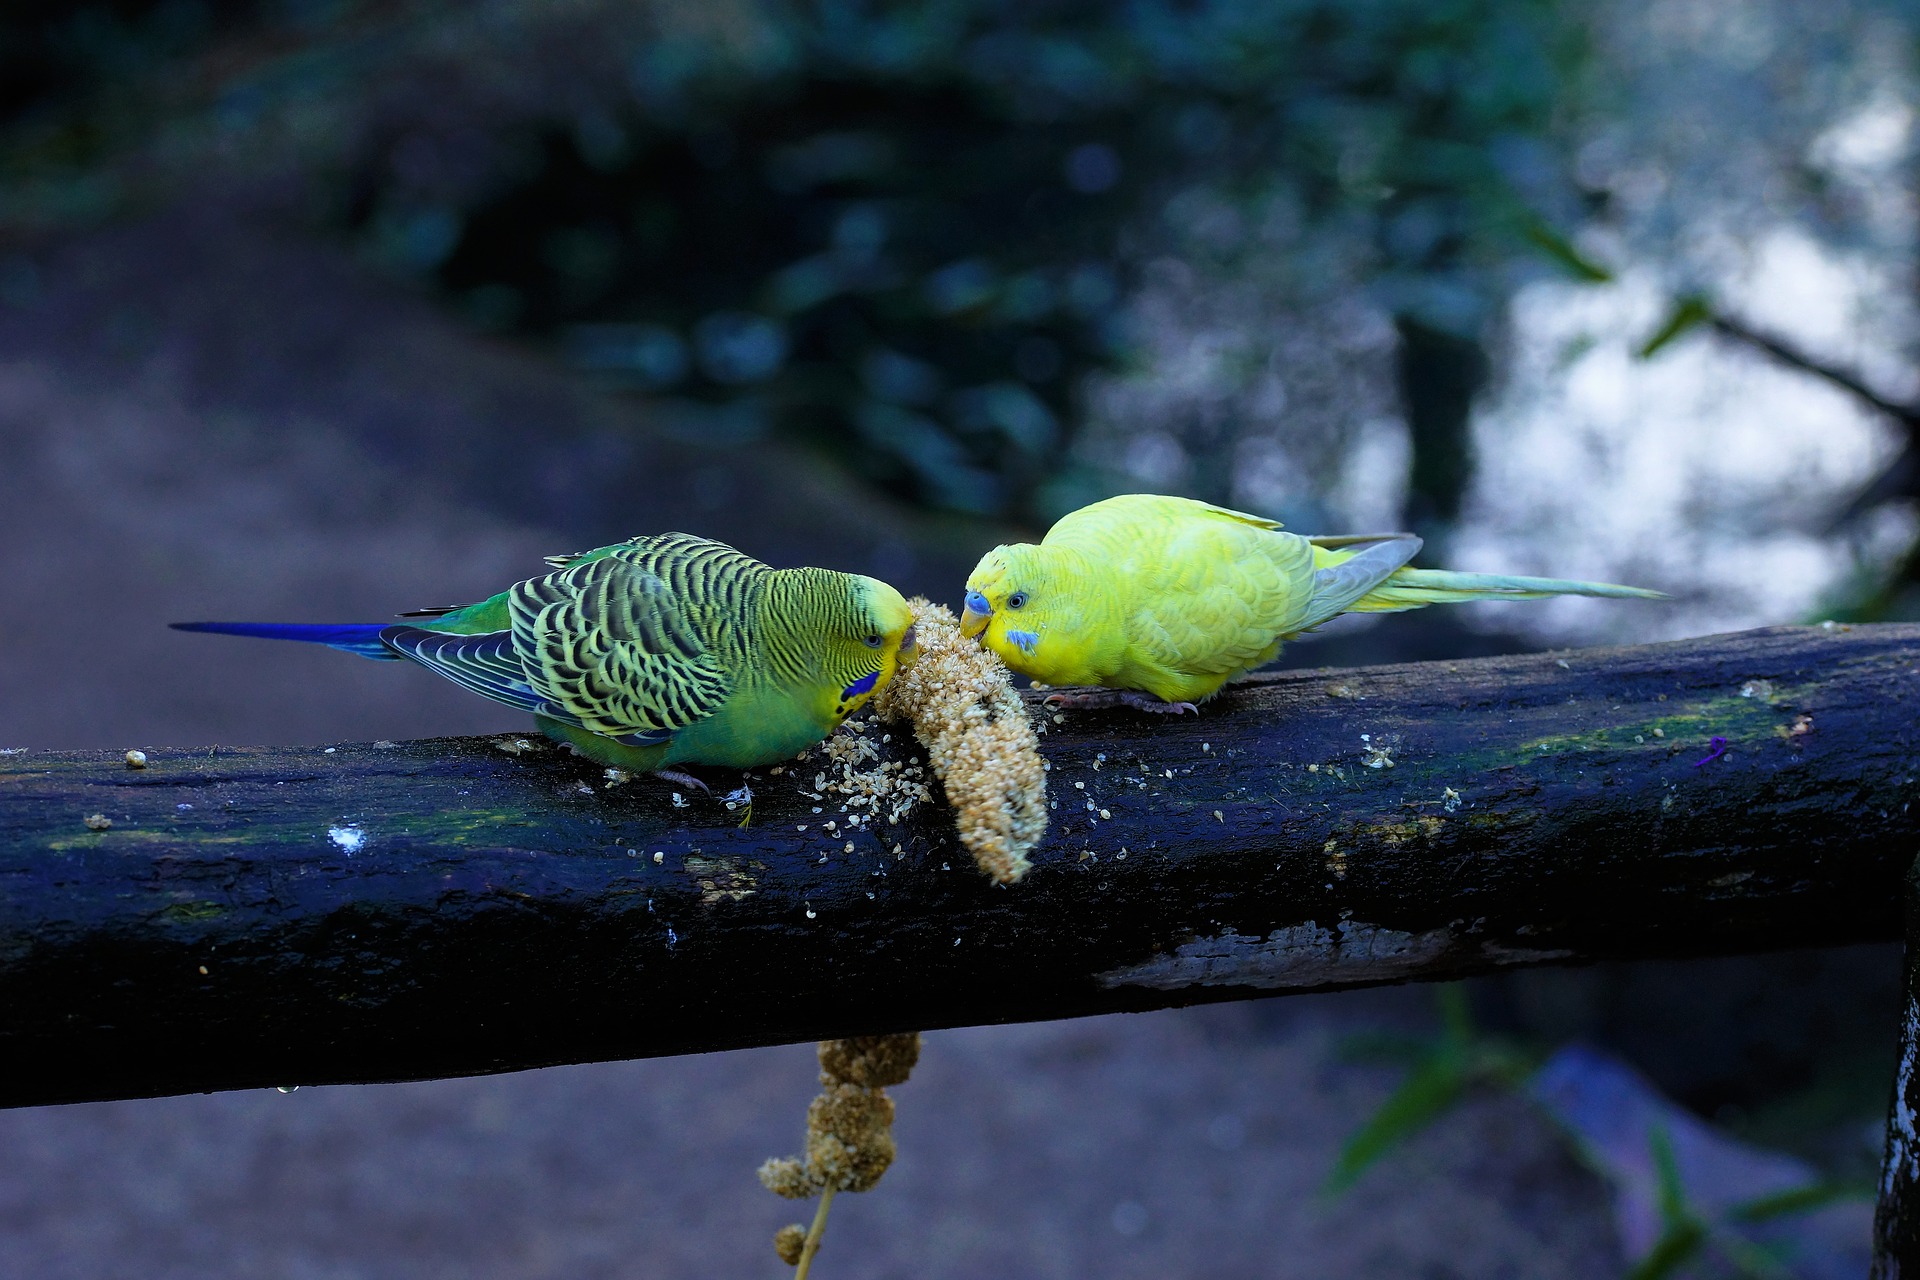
column 975, row 614
column 909, row 648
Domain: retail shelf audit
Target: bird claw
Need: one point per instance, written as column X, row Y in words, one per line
column 1094, row 699
column 684, row 779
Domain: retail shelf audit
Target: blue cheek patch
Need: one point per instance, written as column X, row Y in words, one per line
column 863, row 685
column 1023, row 641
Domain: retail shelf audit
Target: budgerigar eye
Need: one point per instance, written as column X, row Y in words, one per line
column 1017, row 600
column 873, row 642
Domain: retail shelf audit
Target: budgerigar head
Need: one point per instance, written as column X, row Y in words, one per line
column 1013, row 600
column 864, row 634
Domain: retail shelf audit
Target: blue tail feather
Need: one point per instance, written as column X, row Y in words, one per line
column 362, row 638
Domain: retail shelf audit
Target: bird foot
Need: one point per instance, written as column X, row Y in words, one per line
column 1094, row 699
column 684, row 779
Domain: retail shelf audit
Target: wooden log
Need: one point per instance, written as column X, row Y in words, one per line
column 283, row 916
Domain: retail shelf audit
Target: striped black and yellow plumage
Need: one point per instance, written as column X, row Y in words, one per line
column 662, row 650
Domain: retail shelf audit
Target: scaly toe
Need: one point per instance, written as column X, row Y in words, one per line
column 684, row 779
column 1094, row 699
column 1147, row 702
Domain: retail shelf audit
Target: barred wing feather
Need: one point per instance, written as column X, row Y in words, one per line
column 609, row 648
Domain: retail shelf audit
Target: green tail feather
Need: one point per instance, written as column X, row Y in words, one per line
column 1416, row 588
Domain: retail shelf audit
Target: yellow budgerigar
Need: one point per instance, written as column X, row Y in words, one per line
column 1158, row 601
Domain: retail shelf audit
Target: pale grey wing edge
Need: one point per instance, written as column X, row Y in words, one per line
column 1338, row 586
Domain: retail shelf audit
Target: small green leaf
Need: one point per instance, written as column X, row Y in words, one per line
column 1428, row 1091
column 1561, row 250
column 1688, row 313
column 1756, row 1262
column 1666, row 1169
column 1441, row 1069
column 1673, row 1250
column 1814, row 1195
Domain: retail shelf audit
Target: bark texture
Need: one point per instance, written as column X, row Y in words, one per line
column 282, row 916
column 1896, row 1218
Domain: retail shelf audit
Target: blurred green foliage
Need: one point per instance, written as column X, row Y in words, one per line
column 1004, row 258
column 53, row 50
column 1441, row 1071
column 908, row 231
column 1689, row 1236
column 1446, row 1068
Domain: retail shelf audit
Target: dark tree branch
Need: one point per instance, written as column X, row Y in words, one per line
column 1908, row 415
column 285, row 916
column 1899, row 478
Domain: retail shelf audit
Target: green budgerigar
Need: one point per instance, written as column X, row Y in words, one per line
column 1158, row 601
column 660, row 651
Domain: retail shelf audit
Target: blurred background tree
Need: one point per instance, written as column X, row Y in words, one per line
column 1006, row 259
column 922, row 236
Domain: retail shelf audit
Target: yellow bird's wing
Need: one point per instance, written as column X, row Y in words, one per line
column 1144, row 512
column 1204, row 592
column 1207, row 592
